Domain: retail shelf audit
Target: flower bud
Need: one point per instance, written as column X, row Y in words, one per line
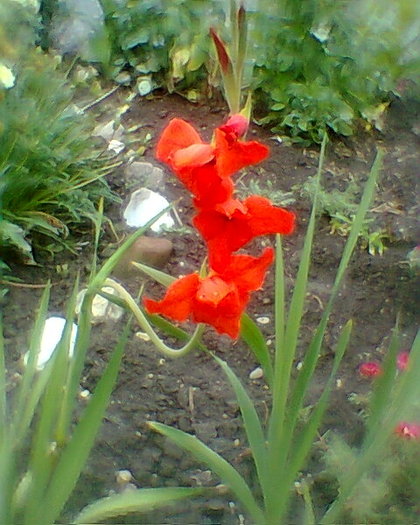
column 236, row 124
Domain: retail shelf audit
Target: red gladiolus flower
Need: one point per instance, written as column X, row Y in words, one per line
column 408, row 430
column 402, row 360
column 370, row 369
column 204, row 168
column 218, row 299
column 233, row 224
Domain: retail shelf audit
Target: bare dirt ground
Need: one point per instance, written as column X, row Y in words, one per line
column 192, row 394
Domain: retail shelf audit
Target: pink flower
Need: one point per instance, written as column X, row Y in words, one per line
column 370, row 369
column 402, row 360
column 408, row 430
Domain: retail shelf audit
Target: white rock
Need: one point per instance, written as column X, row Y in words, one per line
column 263, row 320
column 143, row 336
column 116, row 146
column 257, row 373
column 51, row 335
column 144, row 205
column 102, row 309
column 123, row 477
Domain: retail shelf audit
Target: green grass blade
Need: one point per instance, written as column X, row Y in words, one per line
column 160, row 277
column 3, row 406
column 53, row 405
column 284, row 355
column 77, row 450
column 252, row 425
column 253, row 337
column 34, row 347
column 311, row 356
column 279, row 294
column 228, row 474
column 307, row 435
column 30, row 391
column 142, row 500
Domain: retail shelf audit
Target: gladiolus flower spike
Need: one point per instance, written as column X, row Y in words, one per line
column 225, row 223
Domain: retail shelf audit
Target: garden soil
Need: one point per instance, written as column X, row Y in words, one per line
column 192, row 394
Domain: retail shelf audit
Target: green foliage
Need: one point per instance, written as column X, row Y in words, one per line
column 168, row 38
column 50, row 169
column 341, row 207
column 325, row 64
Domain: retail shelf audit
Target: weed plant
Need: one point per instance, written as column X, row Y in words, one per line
column 328, row 65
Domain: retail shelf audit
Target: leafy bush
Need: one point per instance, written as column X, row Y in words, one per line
column 325, row 64
column 47, row 158
column 169, row 37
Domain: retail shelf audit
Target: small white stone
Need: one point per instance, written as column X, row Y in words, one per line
column 116, row 146
column 263, row 320
column 150, row 376
column 143, row 336
column 85, row 394
column 102, row 309
column 299, row 365
column 123, row 477
column 257, row 373
column 339, row 383
column 236, row 442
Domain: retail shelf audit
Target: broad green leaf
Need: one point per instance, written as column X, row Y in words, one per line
column 13, row 236
column 228, row 474
column 142, row 500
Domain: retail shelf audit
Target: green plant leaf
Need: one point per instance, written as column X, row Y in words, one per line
column 142, row 500
column 12, row 236
column 217, row 464
column 252, row 424
column 75, row 454
column 253, row 337
column 160, row 277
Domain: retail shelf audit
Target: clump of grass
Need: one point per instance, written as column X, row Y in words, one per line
column 51, row 172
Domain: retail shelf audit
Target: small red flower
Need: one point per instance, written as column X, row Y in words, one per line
column 370, row 369
column 233, row 224
column 408, row 430
column 402, row 360
column 218, row 299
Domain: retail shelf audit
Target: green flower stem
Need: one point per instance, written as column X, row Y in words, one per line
column 144, row 323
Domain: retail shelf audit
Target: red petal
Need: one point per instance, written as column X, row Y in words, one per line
column 225, row 317
column 177, row 135
column 193, row 156
column 233, row 155
column 213, row 290
column 264, row 218
column 248, row 272
column 178, row 301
